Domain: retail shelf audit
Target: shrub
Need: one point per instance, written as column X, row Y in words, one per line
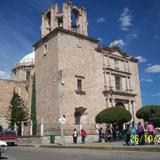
column 148, row 112
column 113, row 115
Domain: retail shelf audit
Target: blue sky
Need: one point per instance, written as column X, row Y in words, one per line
column 133, row 24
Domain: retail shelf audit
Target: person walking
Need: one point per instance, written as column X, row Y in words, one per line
column 83, row 135
column 133, row 133
column 127, row 135
column 100, row 132
column 75, row 135
column 150, row 130
column 140, row 131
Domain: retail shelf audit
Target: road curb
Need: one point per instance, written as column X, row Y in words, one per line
column 107, row 148
column 114, row 148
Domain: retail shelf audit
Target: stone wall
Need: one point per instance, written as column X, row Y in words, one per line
column 78, row 59
column 6, row 92
column 58, row 140
column 47, row 85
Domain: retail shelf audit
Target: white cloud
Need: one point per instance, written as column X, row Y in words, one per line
column 146, row 80
column 118, row 42
column 141, row 59
column 100, row 20
column 153, row 69
column 4, row 75
column 125, row 19
column 132, row 35
column 157, row 94
column 149, row 64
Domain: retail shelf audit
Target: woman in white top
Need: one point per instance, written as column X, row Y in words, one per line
column 75, row 135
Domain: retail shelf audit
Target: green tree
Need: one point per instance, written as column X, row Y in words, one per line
column 33, row 108
column 150, row 113
column 17, row 112
column 113, row 115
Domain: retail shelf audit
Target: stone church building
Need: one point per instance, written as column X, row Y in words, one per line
column 76, row 78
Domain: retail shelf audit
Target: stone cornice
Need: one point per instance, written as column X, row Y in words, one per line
column 12, row 81
column 121, row 93
column 116, row 71
column 54, row 33
column 22, row 65
column 114, row 49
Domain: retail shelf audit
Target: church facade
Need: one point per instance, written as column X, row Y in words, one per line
column 76, row 78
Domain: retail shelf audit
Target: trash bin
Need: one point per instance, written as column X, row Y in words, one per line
column 52, row 138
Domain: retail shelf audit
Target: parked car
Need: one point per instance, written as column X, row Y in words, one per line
column 3, row 147
column 9, row 136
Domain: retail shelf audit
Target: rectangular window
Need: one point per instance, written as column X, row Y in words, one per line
column 79, row 84
column 79, row 89
column 116, row 63
column 118, row 83
column 27, row 75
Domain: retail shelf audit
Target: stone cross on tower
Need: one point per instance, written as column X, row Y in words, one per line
column 71, row 18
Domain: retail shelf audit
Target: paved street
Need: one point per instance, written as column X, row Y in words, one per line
column 30, row 153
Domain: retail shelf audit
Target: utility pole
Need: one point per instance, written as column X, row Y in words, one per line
column 61, row 119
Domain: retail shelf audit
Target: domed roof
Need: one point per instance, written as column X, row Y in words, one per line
column 29, row 58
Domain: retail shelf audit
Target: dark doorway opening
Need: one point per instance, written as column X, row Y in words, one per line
column 119, row 105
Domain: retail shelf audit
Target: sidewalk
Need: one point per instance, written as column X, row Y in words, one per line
column 108, row 146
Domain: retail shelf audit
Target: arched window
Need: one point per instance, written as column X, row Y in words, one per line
column 74, row 19
column 48, row 20
column 60, row 22
column 78, row 114
column 48, row 17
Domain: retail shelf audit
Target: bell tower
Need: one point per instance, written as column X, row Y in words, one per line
column 71, row 18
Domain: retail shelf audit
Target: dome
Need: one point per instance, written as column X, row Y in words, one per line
column 29, row 58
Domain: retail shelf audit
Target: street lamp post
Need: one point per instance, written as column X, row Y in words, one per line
column 61, row 83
